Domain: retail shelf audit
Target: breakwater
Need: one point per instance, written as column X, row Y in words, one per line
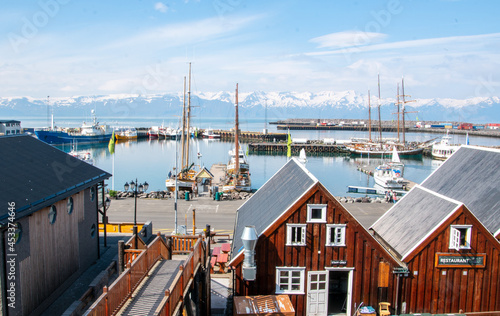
column 281, row 148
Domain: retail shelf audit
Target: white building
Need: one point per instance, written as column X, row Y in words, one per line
column 10, row 127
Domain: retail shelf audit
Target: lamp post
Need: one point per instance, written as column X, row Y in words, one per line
column 107, row 203
column 135, row 187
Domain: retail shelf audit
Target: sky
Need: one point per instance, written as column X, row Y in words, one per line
column 63, row 48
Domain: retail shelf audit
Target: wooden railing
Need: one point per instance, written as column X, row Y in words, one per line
column 139, row 262
column 113, row 298
column 174, row 295
column 183, row 243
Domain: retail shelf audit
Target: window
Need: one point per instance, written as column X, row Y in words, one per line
column 289, row 280
column 52, row 214
column 92, row 231
column 335, row 234
column 296, row 234
column 92, row 194
column 460, row 236
column 316, row 213
column 70, row 205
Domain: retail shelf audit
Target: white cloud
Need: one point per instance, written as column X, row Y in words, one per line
column 160, row 6
column 454, row 41
column 348, row 39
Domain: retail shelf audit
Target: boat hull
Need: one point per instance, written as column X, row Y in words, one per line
column 59, row 137
column 385, row 153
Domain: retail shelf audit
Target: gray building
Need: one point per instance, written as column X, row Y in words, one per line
column 49, row 222
column 10, row 127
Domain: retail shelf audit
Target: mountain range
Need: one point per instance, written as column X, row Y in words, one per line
column 273, row 105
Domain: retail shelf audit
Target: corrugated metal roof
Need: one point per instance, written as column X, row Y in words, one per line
column 472, row 176
column 34, row 174
column 410, row 220
column 276, row 196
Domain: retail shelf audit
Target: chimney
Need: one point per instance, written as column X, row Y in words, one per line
column 249, row 238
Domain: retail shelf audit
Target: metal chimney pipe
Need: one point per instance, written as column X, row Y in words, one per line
column 249, row 238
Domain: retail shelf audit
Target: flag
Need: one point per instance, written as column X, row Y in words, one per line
column 289, row 146
column 111, row 145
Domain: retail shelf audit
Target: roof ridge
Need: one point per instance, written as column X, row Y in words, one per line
column 439, row 195
column 303, row 167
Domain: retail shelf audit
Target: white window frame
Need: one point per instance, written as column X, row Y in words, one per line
column 310, row 207
column 338, row 242
column 455, row 236
column 289, row 234
column 301, row 270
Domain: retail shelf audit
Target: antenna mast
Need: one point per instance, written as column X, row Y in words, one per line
column 369, row 118
column 379, row 104
column 236, row 140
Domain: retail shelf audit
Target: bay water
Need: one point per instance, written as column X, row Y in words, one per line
column 151, row 160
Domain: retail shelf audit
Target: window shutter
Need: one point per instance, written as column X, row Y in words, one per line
column 454, row 238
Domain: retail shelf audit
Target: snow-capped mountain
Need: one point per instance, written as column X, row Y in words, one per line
column 276, row 105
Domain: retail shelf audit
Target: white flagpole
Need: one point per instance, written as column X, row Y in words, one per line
column 113, row 172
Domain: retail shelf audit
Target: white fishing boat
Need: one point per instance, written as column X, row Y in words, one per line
column 390, row 175
column 444, row 148
column 209, row 133
column 83, row 155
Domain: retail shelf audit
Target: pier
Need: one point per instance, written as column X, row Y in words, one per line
column 281, row 148
column 251, row 136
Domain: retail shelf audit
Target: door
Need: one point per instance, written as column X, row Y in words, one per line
column 317, row 293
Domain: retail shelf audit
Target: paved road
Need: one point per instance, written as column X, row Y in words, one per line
column 220, row 215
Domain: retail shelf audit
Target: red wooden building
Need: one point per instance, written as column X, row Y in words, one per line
column 446, row 232
column 311, row 248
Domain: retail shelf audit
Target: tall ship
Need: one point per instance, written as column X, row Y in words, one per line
column 88, row 133
column 185, row 178
column 238, row 169
column 383, row 147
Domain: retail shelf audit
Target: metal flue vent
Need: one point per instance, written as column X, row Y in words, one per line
column 249, row 239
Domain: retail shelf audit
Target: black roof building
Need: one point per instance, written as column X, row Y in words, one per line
column 34, row 175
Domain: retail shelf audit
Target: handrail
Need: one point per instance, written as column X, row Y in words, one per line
column 113, row 298
column 173, row 296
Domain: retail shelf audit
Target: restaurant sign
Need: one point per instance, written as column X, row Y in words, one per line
column 339, row 262
column 458, row 260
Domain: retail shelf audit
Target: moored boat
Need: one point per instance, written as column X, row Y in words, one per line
column 390, row 175
column 237, row 171
column 154, row 132
column 87, row 133
column 444, row 148
column 209, row 133
column 126, row 133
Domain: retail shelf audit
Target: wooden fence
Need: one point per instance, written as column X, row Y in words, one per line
column 139, row 262
column 175, row 294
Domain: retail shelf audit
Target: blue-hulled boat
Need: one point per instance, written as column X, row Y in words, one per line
column 87, row 133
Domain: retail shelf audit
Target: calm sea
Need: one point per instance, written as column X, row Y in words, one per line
column 151, row 160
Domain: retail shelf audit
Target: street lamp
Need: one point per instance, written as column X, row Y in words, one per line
column 135, row 187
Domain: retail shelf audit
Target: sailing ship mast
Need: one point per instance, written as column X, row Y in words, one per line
column 236, row 140
column 379, row 104
column 183, row 138
column 369, row 118
column 397, row 104
column 403, row 107
column 188, row 114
